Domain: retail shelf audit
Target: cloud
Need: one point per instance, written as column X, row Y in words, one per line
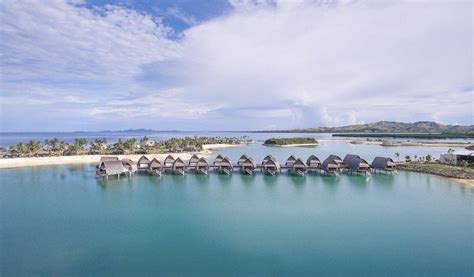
column 266, row 63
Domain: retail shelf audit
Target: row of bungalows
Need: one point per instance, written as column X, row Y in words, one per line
column 295, row 166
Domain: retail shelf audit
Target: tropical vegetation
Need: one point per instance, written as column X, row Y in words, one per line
column 289, row 141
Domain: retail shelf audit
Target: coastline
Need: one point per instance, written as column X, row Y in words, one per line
column 399, row 143
column 85, row 159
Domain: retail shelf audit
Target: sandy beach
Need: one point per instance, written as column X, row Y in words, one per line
column 399, row 143
column 464, row 182
column 84, row 159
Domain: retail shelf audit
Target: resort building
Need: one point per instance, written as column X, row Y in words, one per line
column 202, row 166
column 355, row 164
column 218, row 159
column 129, row 165
column 383, row 164
column 298, row 168
column 225, row 166
column 290, row 161
column 155, row 167
column 193, row 161
column 270, row 165
column 313, row 162
column 457, row 157
column 179, row 167
column 246, row 164
column 169, row 160
column 110, row 168
column 331, row 164
column 143, row 163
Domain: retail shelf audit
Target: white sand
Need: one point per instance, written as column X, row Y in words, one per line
column 83, row 159
column 295, row 145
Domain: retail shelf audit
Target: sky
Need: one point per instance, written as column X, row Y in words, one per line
column 232, row 65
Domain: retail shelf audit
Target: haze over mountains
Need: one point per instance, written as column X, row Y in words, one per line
column 391, row 127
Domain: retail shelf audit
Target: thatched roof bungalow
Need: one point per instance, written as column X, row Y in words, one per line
column 331, row 164
column 313, row 162
column 42, row 153
column 143, row 163
column 298, row 167
column 179, row 167
column 383, row 163
column 169, row 160
column 193, row 160
column 354, row 163
column 218, row 159
column 108, row 168
column 155, row 167
column 270, row 165
column 290, row 161
column 107, row 158
column 202, row 166
column 225, row 166
column 246, row 164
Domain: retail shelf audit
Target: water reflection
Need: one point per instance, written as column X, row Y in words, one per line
column 383, row 181
column 358, row 181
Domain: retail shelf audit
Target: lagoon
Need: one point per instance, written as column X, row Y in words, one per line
column 61, row 220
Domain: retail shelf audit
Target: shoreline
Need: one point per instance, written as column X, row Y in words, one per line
column 86, row 159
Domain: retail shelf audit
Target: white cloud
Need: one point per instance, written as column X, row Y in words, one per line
column 267, row 63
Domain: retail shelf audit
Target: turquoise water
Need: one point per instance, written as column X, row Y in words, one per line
column 60, row 220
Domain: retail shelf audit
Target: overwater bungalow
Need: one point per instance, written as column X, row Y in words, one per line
column 110, row 168
column 383, row 164
column 290, row 161
column 355, row 164
column 155, row 167
column 225, row 166
column 179, row 167
column 270, row 165
column 246, row 164
column 313, row 162
column 331, row 164
column 169, row 160
column 218, row 159
column 107, row 158
column 129, row 165
column 143, row 163
column 193, row 161
column 202, row 166
column 298, row 168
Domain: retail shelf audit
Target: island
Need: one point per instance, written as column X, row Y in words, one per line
column 282, row 142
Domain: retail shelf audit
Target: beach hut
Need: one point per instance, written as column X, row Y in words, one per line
column 313, row 162
column 355, row 164
column 218, row 159
column 246, row 164
column 193, row 161
column 202, row 166
column 94, row 152
column 190, row 148
column 270, row 165
column 331, row 164
column 143, row 163
column 129, row 165
column 42, row 153
column 168, row 162
column 298, row 168
column 383, row 164
column 109, row 168
column 290, row 161
column 155, row 167
column 179, row 167
column 13, row 153
column 225, row 166
column 140, row 151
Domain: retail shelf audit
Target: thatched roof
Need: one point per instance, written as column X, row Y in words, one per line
column 218, row 159
column 312, row 160
column 299, row 164
column 202, row 162
column 335, row 158
column 269, row 157
column 129, row 164
column 382, row 162
column 354, row 162
column 155, row 163
column 143, row 160
column 113, row 167
column 270, row 161
column 178, row 163
column 225, row 162
column 330, row 162
column 290, row 161
column 248, row 161
column 193, row 160
column 108, row 158
column 243, row 158
column 168, row 160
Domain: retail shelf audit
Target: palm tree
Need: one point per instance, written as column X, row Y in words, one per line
column 398, row 156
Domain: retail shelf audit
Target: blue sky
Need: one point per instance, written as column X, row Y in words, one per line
column 232, row 65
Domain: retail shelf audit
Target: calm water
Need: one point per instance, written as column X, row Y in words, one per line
column 61, row 220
